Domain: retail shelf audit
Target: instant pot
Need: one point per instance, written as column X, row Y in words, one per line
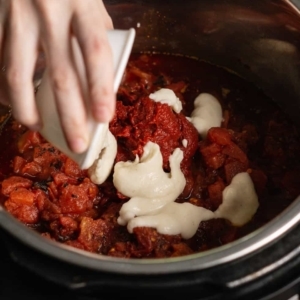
column 258, row 40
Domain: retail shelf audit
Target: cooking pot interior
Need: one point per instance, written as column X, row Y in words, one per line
column 258, row 40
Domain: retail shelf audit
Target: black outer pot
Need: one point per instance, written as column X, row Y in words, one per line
column 273, row 273
column 258, row 40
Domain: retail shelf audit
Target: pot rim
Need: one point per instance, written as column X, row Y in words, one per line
column 249, row 244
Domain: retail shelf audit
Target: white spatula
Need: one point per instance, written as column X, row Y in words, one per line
column 121, row 42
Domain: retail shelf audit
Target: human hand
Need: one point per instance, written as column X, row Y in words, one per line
column 28, row 25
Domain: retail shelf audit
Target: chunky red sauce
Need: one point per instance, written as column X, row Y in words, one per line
column 49, row 193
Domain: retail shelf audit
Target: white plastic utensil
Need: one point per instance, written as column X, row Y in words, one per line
column 121, row 42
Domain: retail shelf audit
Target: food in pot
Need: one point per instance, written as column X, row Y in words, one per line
column 194, row 158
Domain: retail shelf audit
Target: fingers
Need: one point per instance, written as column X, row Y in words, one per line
column 20, row 56
column 4, row 98
column 63, row 76
column 50, row 24
column 90, row 31
column 107, row 21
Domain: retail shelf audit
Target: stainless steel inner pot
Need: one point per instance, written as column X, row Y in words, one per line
column 260, row 41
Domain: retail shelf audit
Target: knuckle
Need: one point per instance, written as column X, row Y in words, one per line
column 97, row 46
column 100, row 94
column 61, row 80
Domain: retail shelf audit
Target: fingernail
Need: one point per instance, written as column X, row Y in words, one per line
column 103, row 114
column 79, row 145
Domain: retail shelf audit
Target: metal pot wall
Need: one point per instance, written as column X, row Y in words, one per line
column 260, row 41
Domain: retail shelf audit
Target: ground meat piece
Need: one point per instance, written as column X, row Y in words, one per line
column 151, row 243
column 147, row 238
column 120, row 249
column 94, row 234
column 64, row 228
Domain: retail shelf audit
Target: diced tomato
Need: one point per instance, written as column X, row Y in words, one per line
column 18, row 164
column 22, row 196
column 32, row 169
column 53, row 192
column 62, row 179
column 72, row 169
column 212, row 155
column 215, row 191
column 219, row 136
column 68, row 222
column 90, row 188
column 74, row 199
column 51, row 211
column 28, row 140
column 21, row 204
column 41, row 199
column 232, row 168
column 27, row 214
column 50, row 158
column 235, row 152
column 13, row 183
